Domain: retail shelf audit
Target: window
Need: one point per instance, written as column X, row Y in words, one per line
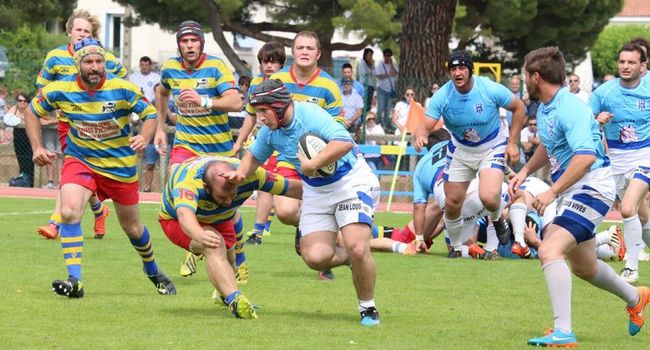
column 114, row 40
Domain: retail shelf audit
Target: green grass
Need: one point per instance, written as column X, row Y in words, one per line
column 426, row 302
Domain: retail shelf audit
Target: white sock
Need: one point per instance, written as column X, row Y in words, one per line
column 364, row 304
column 399, row 247
column 645, row 233
column 632, row 235
column 518, row 213
column 558, row 281
column 492, row 242
column 607, row 279
column 464, row 251
column 604, row 252
column 602, row 238
column 453, row 228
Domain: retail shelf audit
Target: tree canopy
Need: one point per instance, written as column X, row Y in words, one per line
column 378, row 19
column 514, row 27
column 604, row 53
column 13, row 13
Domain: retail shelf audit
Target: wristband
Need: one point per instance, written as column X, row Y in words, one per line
column 419, row 237
column 206, row 102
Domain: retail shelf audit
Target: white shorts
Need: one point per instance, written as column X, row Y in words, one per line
column 627, row 165
column 463, row 163
column 536, row 187
column 583, row 206
column 352, row 199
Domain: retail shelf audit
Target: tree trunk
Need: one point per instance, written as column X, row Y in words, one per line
column 424, row 45
column 217, row 35
column 325, row 61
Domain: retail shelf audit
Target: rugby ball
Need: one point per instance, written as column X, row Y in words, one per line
column 311, row 145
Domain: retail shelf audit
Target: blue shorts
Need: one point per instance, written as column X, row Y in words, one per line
column 581, row 210
column 151, row 156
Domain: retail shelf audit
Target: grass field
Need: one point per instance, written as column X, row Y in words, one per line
column 426, row 302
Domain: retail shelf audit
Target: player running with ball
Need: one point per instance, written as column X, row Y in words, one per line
column 345, row 200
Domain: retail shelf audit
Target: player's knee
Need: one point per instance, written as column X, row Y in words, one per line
column 628, row 210
column 317, row 259
column 132, row 229
column 585, row 272
column 491, row 201
column 70, row 214
column 287, row 216
column 358, row 250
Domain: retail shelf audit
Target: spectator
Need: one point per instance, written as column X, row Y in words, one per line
column 373, row 128
column 145, row 78
column 366, row 73
column 529, row 138
column 574, row 87
column 386, row 73
column 5, row 134
column 22, row 147
column 244, row 83
column 352, row 106
column 52, row 143
column 346, row 74
column 434, row 88
column 401, row 111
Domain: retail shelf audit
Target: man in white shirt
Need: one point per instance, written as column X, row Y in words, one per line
column 352, row 106
column 574, row 87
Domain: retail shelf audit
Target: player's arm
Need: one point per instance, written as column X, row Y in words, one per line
column 146, row 112
column 419, row 214
column 229, row 101
column 518, row 110
column 246, row 168
column 278, row 184
column 421, row 134
column 162, row 107
column 334, row 150
column 38, row 107
column 191, row 227
column 244, row 131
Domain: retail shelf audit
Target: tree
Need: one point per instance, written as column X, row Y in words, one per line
column 604, row 53
column 515, row 27
column 424, row 44
column 377, row 18
column 26, row 49
column 14, row 13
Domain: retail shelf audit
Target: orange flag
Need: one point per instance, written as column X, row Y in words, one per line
column 415, row 117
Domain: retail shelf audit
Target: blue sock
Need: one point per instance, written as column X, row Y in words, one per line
column 240, row 256
column 269, row 221
column 232, row 296
column 143, row 247
column 375, row 231
column 72, row 244
column 258, row 228
column 97, row 209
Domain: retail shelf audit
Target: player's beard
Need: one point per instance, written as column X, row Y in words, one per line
column 92, row 77
column 533, row 91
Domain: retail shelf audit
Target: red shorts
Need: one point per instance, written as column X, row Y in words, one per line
column 76, row 172
column 181, row 154
column 403, row 235
column 270, row 163
column 174, row 232
column 63, row 128
column 287, row 170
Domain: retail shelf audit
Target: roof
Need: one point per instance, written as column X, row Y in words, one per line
column 635, row 8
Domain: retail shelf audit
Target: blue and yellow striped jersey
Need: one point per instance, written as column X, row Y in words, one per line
column 256, row 81
column 99, row 121
column 59, row 64
column 185, row 188
column 199, row 129
column 321, row 89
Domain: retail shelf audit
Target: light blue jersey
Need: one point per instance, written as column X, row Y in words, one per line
column 429, row 170
column 629, row 128
column 307, row 117
column 567, row 128
column 472, row 118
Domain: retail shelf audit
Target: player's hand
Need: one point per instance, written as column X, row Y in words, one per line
column 515, row 182
column 307, row 167
column 512, row 153
column 604, row 117
column 42, row 157
column 543, row 200
column 233, row 176
column 138, row 143
column 421, row 247
column 209, row 239
column 530, row 232
column 420, row 141
column 160, row 142
column 190, row 96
